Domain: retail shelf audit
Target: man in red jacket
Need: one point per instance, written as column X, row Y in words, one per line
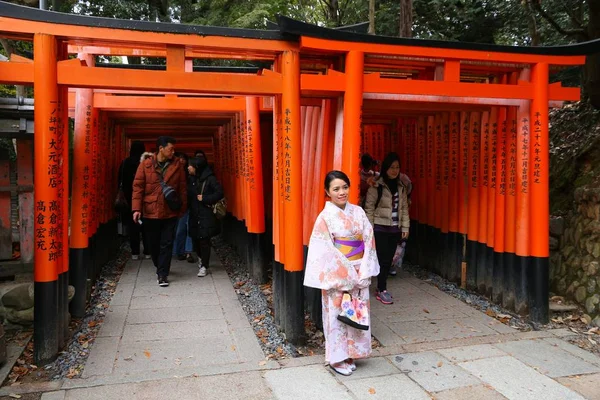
column 149, row 202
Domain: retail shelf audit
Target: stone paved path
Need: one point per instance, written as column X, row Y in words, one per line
column 193, row 341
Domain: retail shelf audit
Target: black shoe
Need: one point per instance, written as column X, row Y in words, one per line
column 181, row 257
column 191, row 258
column 163, row 281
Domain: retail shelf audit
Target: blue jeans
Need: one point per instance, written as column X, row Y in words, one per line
column 183, row 242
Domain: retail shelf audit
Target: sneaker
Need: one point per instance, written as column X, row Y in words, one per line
column 147, row 256
column 393, row 271
column 163, row 281
column 135, row 257
column 341, row 368
column 384, row 297
column 201, row 270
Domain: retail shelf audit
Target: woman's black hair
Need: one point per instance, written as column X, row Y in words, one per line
column 331, row 175
column 388, row 161
column 366, row 161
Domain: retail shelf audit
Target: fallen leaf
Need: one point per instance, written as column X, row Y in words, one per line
column 262, row 363
column 439, row 364
column 592, row 341
column 128, row 359
column 426, row 310
column 372, row 391
column 147, row 353
column 15, row 396
column 232, row 347
column 489, row 312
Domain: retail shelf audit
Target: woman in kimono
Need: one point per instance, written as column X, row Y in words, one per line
column 341, row 258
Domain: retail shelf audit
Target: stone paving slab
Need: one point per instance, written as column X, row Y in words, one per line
column 168, row 299
column 123, row 294
column 201, row 286
column 58, row 395
column 102, row 357
column 174, row 330
column 174, row 314
column 479, row 392
column 441, row 329
column 433, row 372
column 114, row 321
column 312, row 382
column 387, row 387
column 168, row 354
column 576, row 351
column 468, row 353
column 550, row 360
column 586, row 385
column 517, row 381
column 370, row 368
column 247, row 385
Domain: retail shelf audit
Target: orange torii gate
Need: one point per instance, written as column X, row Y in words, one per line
column 469, row 121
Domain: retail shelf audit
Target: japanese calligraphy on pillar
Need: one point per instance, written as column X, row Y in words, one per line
column 455, row 149
column 537, row 149
column 438, row 154
column 503, row 158
column 421, row 144
column 494, row 143
column 485, row 176
column 465, row 140
column 475, row 156
column 512, row 166
column 250, row 154
column 287, row 157
column 244, row 146
column 525, row 155
column 446, row 151
column 430, row 138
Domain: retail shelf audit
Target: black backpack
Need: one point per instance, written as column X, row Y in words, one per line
column 379, row 194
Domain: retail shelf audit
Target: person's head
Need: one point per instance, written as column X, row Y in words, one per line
column 367, row 162
column 197, row 165
column 137, row 149
column 166, row 146
column 390, row 167
column 183, row 158
column 200, row 153
column 337, row 186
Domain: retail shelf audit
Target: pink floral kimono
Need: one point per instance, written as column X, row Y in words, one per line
column 342, row 257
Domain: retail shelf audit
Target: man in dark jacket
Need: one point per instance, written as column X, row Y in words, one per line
column 204, row 192
column 149, row 201
column 127, row 172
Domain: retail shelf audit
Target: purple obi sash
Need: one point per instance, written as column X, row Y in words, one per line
column 352, row 247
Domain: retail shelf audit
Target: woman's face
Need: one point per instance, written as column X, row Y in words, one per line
column 394, row 170
column 338, row 192
column 191, row 170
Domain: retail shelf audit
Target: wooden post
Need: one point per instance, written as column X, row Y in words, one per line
column 353, row 98
column 47, row 173
column 539, row 202
column 292, row 168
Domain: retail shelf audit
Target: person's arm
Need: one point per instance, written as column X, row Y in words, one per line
column 370, row 204
column 182, row 191
column 139, row 186
column 213, row 196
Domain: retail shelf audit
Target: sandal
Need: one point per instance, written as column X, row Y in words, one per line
column 351, row 364
column 341, row 368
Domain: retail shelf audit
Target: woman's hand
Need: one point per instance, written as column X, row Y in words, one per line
column 199, row 197
column 404, row 235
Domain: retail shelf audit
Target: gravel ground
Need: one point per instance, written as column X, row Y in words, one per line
column 255, row 300
column 71, row 360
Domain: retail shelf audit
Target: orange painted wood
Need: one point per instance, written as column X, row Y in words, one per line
column 463, row 173
column 484, row 177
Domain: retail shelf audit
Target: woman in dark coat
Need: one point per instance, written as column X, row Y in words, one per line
column 127, row 172
column 204, row 191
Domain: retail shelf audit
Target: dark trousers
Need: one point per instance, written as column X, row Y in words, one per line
column 203, row 251
column 385, row 244
column 160, row 234
column 135, row 230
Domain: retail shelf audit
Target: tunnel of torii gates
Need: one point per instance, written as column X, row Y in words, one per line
column 469, row 121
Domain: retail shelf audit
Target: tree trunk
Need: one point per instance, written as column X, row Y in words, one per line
column 405, row 18
column 371, row 17
column 591, row 71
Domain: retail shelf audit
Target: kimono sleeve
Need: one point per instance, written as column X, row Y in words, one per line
column 326, row 267
column 369, row 266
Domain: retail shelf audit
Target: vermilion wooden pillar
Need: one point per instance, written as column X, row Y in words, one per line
column 46, row 176
column 539, row 197
column 292, row 197
column 353, row 99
